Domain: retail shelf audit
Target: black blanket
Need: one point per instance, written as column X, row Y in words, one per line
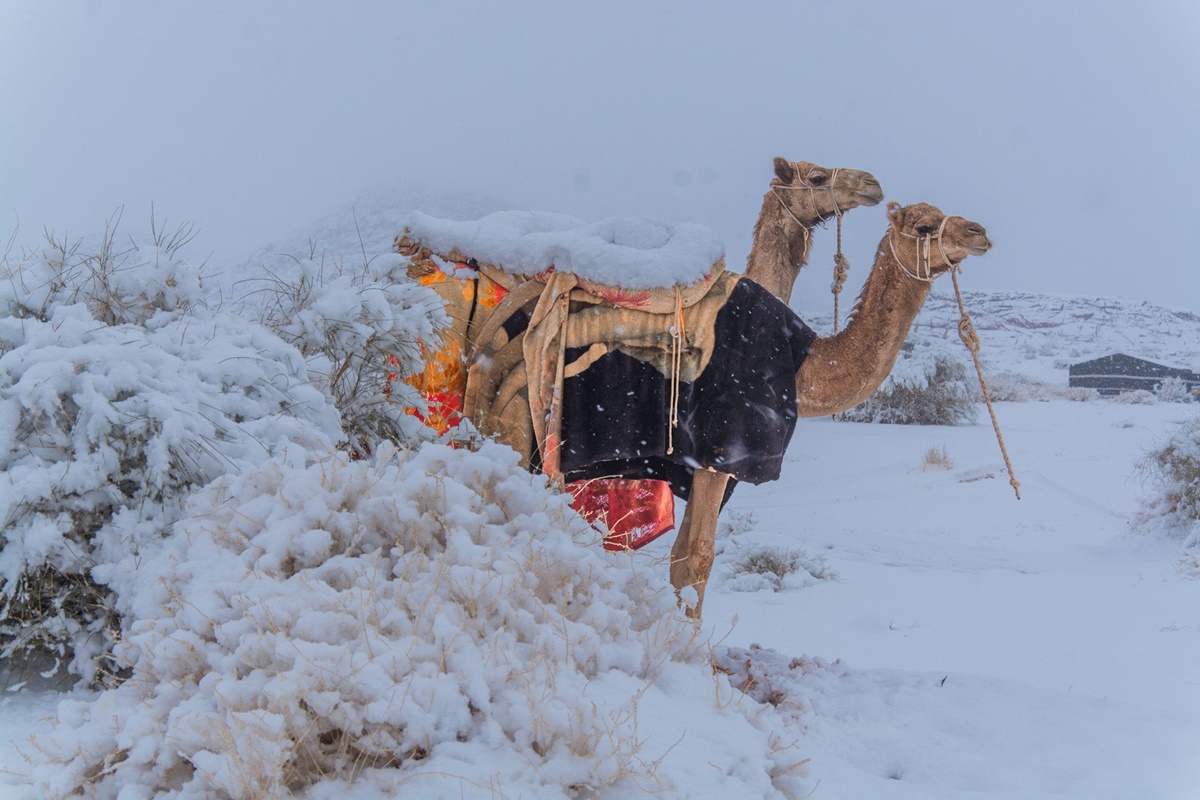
column 737, row 417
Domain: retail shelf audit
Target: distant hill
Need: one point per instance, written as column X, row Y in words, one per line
column 1040, row 335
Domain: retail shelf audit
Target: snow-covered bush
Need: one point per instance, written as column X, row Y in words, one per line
column 767, row 567
column 1173, row 390
column 941, row 395
column 119, row 281
column 1174, row 471
column 119, row 395
column 779, row 680
column 359, row 330
column 400, row 622
column 1135, row 397
column 1016, row 388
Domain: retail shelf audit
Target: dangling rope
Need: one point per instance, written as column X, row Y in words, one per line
column 970, row 339
column 966, row 332
column 678, row 343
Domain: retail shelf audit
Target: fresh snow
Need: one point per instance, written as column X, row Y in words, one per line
column 962, row 644
column 634, row 252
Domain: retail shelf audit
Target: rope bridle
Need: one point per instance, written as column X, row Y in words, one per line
column 966, row 329
column 924, row 266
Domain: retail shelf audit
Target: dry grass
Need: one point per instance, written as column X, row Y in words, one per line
column 936, row 458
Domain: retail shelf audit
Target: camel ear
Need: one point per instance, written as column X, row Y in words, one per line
column 783, row 170
column 895, row 213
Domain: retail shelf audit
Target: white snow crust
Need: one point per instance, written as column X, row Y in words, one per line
column 633, row 252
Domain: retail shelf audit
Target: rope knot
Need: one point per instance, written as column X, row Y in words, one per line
column 966, row 332
column 841, row 271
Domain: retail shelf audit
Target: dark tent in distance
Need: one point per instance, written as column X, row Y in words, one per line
column 1118, row 373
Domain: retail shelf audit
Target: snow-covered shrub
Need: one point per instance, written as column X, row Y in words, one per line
column 359, row 330
column 1135, row 397
column 939, row 396
column 781, row 681
column 767, row 567
column 1015, row 388
column 119, row 395
column 394, row 623
column 1173, row 390
column 1174, row 471
column 1189, row 559
column 119, row 281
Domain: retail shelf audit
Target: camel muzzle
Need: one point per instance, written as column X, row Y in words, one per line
column 869, row 194
column 978, row 248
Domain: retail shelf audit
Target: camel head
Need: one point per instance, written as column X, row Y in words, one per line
column 812, row 194
column 927, row 243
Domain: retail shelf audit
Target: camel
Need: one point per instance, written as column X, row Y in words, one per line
column 714, row 387
column 802, row 195
column 842, row 370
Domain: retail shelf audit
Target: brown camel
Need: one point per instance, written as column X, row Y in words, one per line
column 842, row 370
column 802, row 195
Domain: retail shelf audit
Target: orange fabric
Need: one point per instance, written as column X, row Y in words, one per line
column 636, row 512
column 444, row 379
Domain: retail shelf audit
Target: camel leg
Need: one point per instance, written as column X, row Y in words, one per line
column 692, row 556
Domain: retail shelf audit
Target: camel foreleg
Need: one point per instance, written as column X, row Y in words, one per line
column 693, row 553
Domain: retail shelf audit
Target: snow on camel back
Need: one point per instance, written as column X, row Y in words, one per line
column 627, row 257
column 630, row 262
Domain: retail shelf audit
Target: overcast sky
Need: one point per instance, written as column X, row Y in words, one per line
column 1069, row 129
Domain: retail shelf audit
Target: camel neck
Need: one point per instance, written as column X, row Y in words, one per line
column 780, row 248
column 842, row 370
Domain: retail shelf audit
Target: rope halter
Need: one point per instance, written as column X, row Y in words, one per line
column 924, row 265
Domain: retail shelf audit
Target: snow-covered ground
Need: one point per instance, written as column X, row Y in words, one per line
column 988, row 647
column 964, row 644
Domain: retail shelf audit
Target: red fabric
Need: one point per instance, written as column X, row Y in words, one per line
column 636, row 512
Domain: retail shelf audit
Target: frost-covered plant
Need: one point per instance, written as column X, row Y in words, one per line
column 359, row 329
column 941, row 396
column 1189, row 559
column 781, row 681
column 1174, row 471
column 1173, row 390
column 1135, row 397
column 119, row 280
column 1015, row 388
column 766, row 566
column 391, row 622
column 119, row 395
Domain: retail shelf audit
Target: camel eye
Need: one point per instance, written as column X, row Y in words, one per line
column 817, row 180
column 924, row 230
